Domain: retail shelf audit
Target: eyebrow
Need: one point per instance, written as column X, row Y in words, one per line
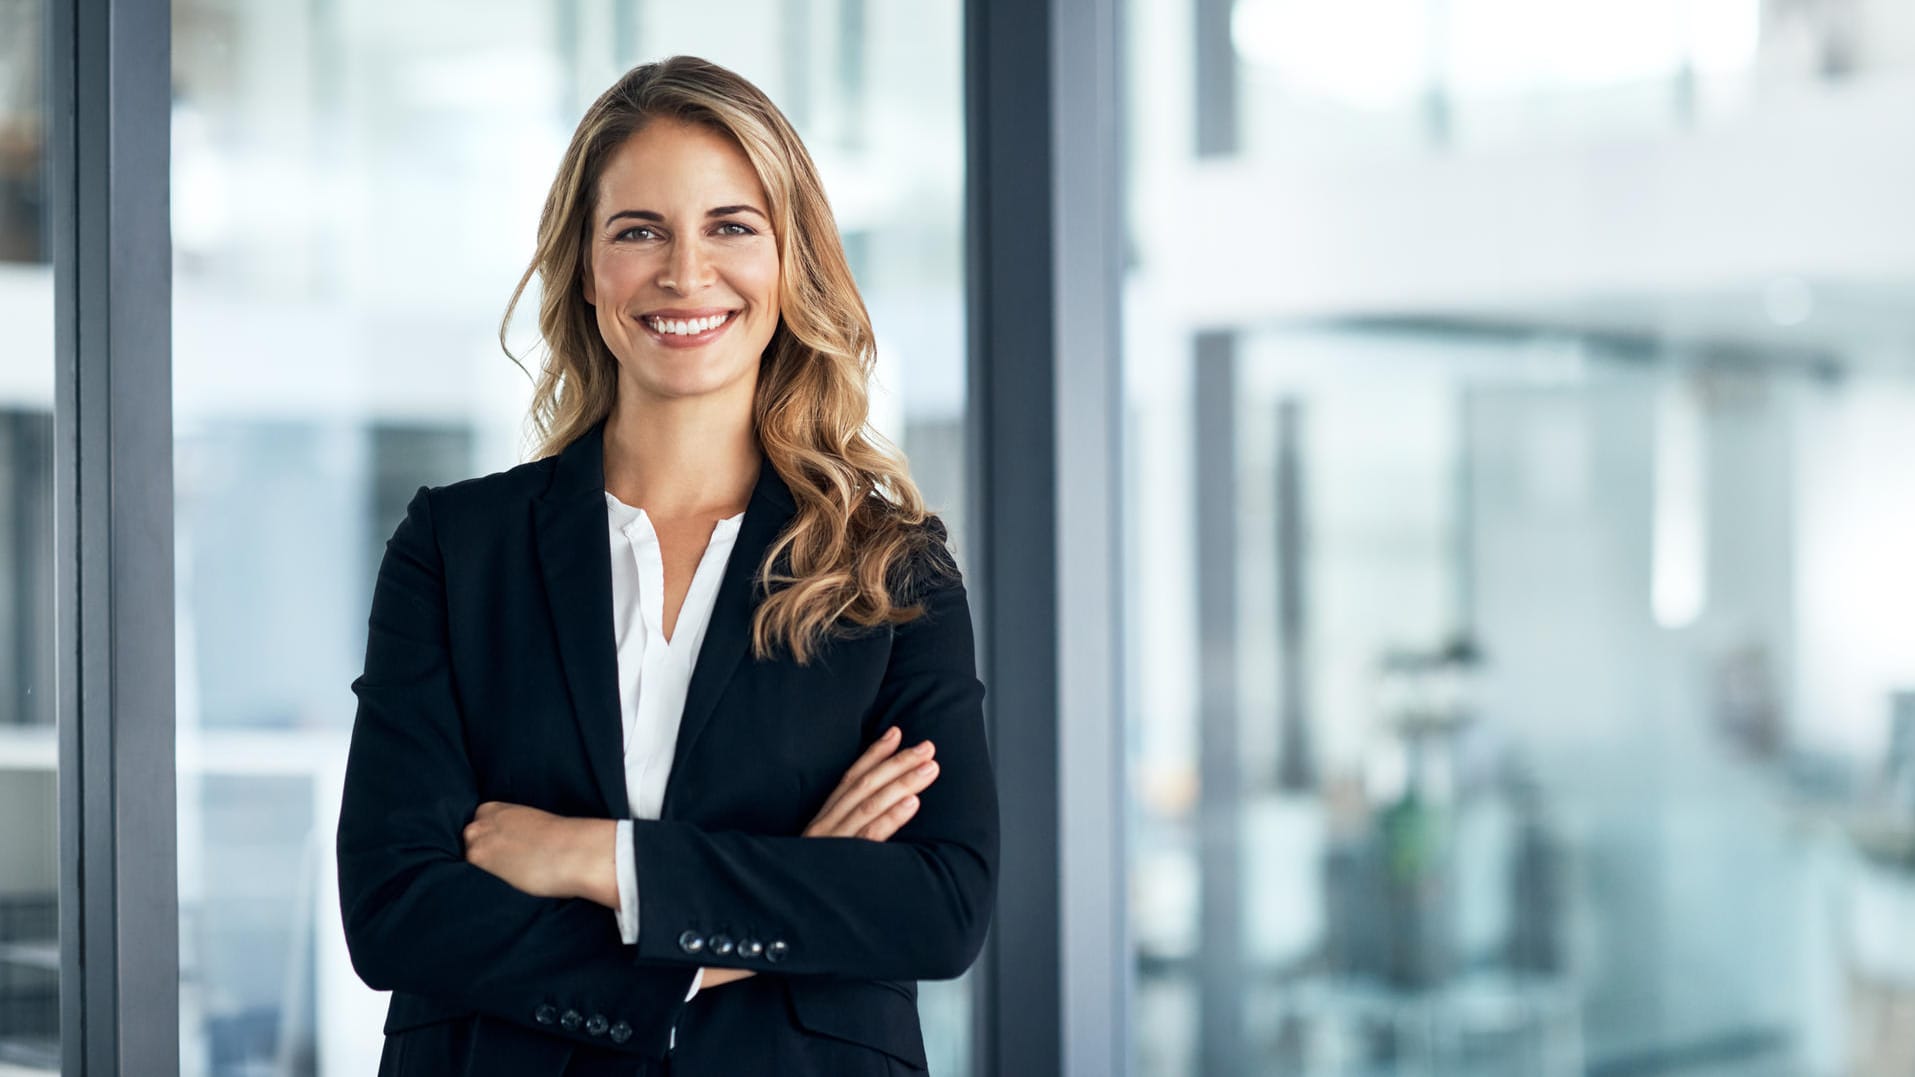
column 719, row 211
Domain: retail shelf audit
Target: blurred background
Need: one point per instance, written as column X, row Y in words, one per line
column 1520, row 617
column 1521, row 669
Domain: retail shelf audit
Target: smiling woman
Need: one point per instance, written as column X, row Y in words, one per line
column 645, row 733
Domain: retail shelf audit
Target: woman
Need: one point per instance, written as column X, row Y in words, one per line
column 641, row 779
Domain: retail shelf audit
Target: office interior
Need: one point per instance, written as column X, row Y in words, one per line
column 1518, row 675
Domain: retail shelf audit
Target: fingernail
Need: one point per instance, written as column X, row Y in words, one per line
column 891, row 734
column 910, row 802
column 924, row 749
column 927, row 768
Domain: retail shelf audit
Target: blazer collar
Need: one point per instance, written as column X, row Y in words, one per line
column 574, row 552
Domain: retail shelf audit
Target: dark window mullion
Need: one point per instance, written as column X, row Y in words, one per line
column 109, row 93
column 1044, row 441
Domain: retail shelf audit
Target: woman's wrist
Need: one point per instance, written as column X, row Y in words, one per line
column 594, row 859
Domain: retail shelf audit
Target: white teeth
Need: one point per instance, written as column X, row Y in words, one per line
column 679, row 327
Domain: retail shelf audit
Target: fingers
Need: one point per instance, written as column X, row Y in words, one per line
column 864, row 798
column 854, row 792
column 890, row 821
column 880, row 806
column 480, row 816
column 880, row 750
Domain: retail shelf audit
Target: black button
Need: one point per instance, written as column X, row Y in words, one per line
column 721, row 945
column 571, row 1021
column 691, row 942
column 750, row 948
column 777, row 951
column 597, row 1025
column 621, row 1032
column 546, row 1013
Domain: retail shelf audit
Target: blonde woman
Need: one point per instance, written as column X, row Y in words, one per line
column 669, row 753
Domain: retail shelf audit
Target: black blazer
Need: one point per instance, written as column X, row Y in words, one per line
column 491, row 675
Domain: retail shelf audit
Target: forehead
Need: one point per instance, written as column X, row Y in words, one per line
column 671, row 166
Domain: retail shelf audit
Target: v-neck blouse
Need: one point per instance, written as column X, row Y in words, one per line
column 653, row 672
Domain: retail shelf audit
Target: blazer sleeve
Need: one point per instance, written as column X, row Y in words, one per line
column 418, row 917
column 915, row 907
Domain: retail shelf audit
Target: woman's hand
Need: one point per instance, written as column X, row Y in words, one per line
column 543, row 854
column 879, row 793
column 873, row 799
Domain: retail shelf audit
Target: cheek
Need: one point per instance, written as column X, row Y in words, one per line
column 614, row 275
column 759, row 276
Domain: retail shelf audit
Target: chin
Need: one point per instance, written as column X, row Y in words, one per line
column 683, row 384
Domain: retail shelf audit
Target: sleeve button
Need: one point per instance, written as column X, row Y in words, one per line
column 546, row 1013
column 721, row 945
column 750, row 948
column 571, row 1020
column 691, row 942
column 621, row 1032
column 777, row 951
column 596, row 1025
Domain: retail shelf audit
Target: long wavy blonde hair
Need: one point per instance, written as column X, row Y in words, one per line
column 861, row 547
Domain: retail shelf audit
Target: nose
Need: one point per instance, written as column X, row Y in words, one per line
column 684, row 268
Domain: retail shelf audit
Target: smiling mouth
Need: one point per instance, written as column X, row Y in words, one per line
column 688, row 329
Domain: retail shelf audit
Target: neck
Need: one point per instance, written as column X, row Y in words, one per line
column 691, row 457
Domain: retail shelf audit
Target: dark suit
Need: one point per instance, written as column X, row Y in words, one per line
column 491, row 675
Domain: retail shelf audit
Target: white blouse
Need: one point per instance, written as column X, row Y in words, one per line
column 653, row 672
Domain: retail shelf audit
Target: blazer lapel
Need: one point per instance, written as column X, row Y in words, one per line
column 574, row 552
column 728, row 634
column 575, row 557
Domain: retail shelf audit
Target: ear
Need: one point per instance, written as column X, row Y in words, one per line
column 585, row 280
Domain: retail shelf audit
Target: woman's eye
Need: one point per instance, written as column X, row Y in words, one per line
column 629, row 231
column 743, row 230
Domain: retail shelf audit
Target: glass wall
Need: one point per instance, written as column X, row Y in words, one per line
column 29, row 809
column 356, row 190
column 1521, row 680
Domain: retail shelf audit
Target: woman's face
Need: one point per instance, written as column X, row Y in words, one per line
column 683, row 266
